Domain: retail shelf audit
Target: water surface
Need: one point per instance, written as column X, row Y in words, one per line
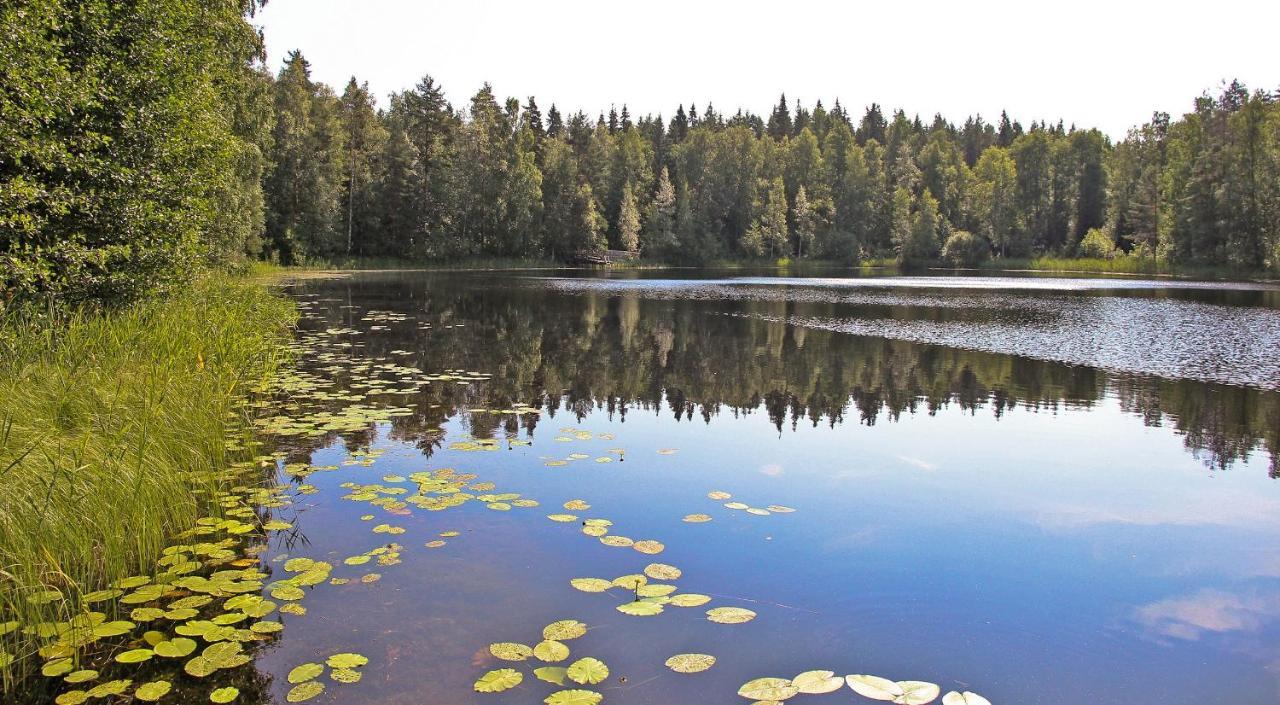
column 1041, row 490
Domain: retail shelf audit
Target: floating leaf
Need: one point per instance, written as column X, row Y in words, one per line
column 564, row 630
column 965, row 698
column 135, row 656
column 588, row 671
column 57, row 667
column 640, row 608
column 510, row 651
column 72, row 697
column 345, row 675
column 718, row 495
column 109, row 688
column 731, row 615
column 649, row 547
column 590, row 584
column 499, row 680
column 551, row 674
column 434, row 544
column 768, row 689
column 693, row 663
column 874, row 687
column 551, row 651
column 82, row 676
column 736, row 505
column 779, row 509
column 917, row 693
column 630, row 582
column 224, row 695
column 655, row 590
column 573, row 697
column 304, row 691
column 346, row 661
column 107, row 629
column 305, row 672
column 662, row 571
column 697, row 518
column 818, row 682
column 689, row 599
column 153, row 691
column 616, row 541
column 576, row 505
column 562, row 518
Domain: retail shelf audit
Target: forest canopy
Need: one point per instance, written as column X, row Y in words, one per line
column 141, row 142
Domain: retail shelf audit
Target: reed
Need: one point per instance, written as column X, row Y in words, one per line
column 113, row 427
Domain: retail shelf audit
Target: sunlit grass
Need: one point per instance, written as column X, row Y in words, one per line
column 112, row 429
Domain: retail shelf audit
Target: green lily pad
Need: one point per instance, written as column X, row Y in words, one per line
column 691, row 663
column 564, row 630
column 510, row 651
column 662, row 571
column 224, row 695
column 135, row 656
column 305, row 672
column 768, row 689
column 817, row 682
column 731, row 615
column 72, row 697
column 588, row 671
column 640, row 608
column 965, row 698
column 345, row 675
column 689, row 599
column 304, row 691
column 498, row 680
column 551, row 651
column 573, row 697
column 874, row 687
column 81, row 676
column 346, row 661
column 153, row 691
column 551, row 674
column 175, row 648
column 591, row 584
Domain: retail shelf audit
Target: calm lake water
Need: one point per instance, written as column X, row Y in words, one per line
column 1043, row 490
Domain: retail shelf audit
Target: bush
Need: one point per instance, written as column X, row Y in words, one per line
column 1097, row 244
column 964, row 249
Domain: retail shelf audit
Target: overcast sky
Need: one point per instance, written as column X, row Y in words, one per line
column 1104, row 64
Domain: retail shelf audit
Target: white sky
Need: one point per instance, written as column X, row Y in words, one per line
column 1100, row 64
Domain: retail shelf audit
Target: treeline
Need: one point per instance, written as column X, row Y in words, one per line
column 141, row 141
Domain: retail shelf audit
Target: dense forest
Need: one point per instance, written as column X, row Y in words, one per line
column 141, row 141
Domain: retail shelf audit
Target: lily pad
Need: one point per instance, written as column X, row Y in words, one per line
column 551, row 651
column 498, row 680
column 573, row 697
column 689, row 599
column 590, row 584
column 731, row 615
column 305, row 672
column 304, row 691
column 345, row 675
column 662, row 571
column 588, row 671
column 649, row 547
column 135, row 656
column 818, row 682
column 640, row 608
column 965, row 698
column 768, row 689
column 510, row 651
column 697, row 518
column 692, row 663
column 718, row 495
column 346, row 660
column 224, row 695
column 917, row 693
column 874, row 687
column 564, row 630
column 153, row 691
column 551, row 674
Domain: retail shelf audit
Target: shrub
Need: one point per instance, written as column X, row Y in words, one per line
column 1097, row 244
column 965, row 249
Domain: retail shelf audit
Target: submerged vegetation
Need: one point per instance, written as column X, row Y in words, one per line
column 114, row 438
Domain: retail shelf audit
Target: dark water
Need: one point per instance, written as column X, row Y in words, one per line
column 1041, row 490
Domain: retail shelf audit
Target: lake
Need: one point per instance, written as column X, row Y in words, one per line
column 1040, row 489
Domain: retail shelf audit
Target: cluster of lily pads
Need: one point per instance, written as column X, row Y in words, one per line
column 775, row 690
column 720, row 495
column 343, row 668
column 599, row 528
column 649, row 599
column 584, row 671
column 199, row 610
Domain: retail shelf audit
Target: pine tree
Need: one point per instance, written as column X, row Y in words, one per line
column 555, row 125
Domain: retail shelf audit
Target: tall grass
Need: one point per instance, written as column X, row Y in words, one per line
column 113, row 427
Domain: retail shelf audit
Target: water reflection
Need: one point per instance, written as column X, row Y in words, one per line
column 697, row 358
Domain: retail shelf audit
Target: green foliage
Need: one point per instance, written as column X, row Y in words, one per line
column 113, row 427
column 131, row 144
column 1097, row 244
column 965, row 249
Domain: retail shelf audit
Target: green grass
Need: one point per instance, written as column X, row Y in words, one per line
column 1122, row 264
column 113, row 427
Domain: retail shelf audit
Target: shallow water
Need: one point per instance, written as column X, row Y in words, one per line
column 971, row 509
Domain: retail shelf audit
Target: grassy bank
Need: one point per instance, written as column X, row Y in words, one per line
column 112, row 429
